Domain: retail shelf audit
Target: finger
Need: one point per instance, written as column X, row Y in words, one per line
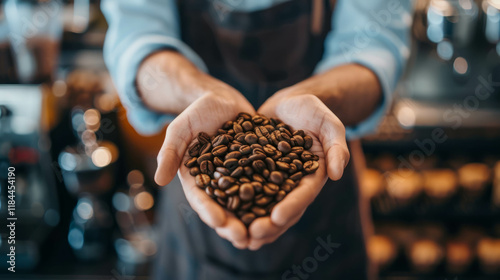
column 263, row 228
column 270, row 230
column 233, row 230
column 209, row 212
column 332, row 137
column 298, row 199
column 172, row 151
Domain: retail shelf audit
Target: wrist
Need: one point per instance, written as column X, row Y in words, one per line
column 167, row 82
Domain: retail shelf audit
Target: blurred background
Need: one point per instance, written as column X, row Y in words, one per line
column 84, row 188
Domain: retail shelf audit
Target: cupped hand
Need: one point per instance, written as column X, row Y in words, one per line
column 302, row 111
column 206, row 114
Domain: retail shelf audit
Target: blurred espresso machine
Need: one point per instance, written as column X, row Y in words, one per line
column 30, row 39
column 454, row 69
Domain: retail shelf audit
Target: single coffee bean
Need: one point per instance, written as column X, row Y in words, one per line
column 298, row 164
column 245, row 149
column 220, row 194
column 251, row 138
column 227, row 125
column 296, row 176
column 286, row 131
column 266, row 173
column 248, row 218
column 271, row 165
column 248, row 171
column 235, row 154
column 190, row 162
column 221, row 201
column 280, row 195
column 308, row 142
column 297, row 150
column 283, row 166
column 244, row 179
column 258, row 151
column 214, row 184
column 207, row 167
column 221, row 131
column 311, row 166
column 269, row 128
column 224, row 171
column 235, row 147
column 269, row 151
column 194, row 171
column 299, row 141
column 288, row 185
column 257, row 119
column 202, row 180
column 218, row 162
column 203, row 157
column 210, row 191
column 237, row 172
column 240, row 137
column 258, row 178
column 247, row 126
column 276, row 177
column 233, row 203
column 246, row 206
column 219, row 151
column 263, row 140
column 306, row 156
column 271, row 189
column 255, row 146
column 206, row 148
column 258, row 211
column 256, row 157
column 232, row 190
column 237, row 128
column 292, row 156
column 257, row 186
column 258, row 166
column 299, row 132
column 245, row 116
column 262, row 131
column 222, row 139
column 286, row 159
column 217, row 175
column 203, row 138
column 263, row 200
column 284, row 147
column 194, row 149
column 315, row 157
column 244, row 161
column 247, row 192
column 231, row 163
column 225, row 182
column 293, row 168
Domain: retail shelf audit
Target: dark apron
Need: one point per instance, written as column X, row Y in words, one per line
column 259, row 53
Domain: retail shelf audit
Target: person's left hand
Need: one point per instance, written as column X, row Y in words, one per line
column 301, row 110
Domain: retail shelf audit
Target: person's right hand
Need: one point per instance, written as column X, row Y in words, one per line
column 207, row 114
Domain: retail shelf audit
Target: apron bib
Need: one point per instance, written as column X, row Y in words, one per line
column 259, row 53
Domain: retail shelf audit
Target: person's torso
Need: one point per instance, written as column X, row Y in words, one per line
column 258, row 48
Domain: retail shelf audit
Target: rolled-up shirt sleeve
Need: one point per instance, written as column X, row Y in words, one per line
column 374, row 34
column 138, row 28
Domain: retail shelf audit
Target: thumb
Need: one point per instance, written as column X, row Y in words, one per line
column 172, row 151
column 332, row 137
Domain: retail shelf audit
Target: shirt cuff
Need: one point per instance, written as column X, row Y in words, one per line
column 144, row 120
column 384, row 65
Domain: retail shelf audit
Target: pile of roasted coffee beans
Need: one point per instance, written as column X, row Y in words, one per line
column 251, row 164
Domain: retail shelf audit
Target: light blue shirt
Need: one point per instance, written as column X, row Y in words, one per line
column 372, row 33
